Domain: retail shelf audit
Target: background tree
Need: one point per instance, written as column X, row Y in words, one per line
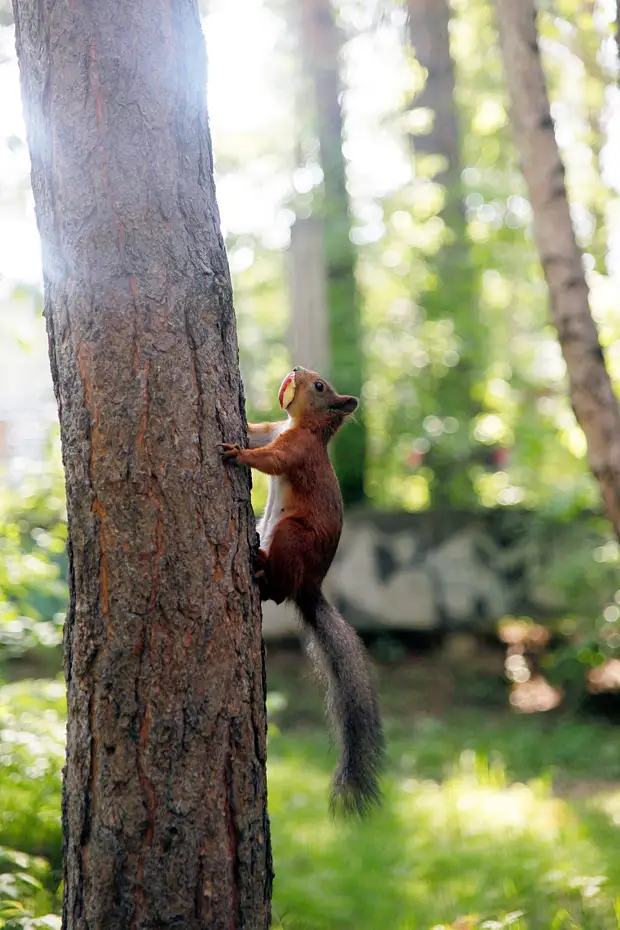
column 428, row 24
column 320, row 43
column 164, row 802
column 592, row 395
column 451, row 291
column 528, row 472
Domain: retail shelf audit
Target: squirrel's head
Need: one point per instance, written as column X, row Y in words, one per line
column 307, row 397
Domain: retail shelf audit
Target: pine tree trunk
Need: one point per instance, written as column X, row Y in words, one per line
column 321, row 45
column 591, row 391
column 164, row 799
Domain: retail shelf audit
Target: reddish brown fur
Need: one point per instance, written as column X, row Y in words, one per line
column 306, row 537
column 300, row 533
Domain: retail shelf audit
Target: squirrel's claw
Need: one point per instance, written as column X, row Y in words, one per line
column 230, row 451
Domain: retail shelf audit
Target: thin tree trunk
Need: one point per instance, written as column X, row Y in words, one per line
column 321, row 46
column 591, row 391
column 454, row 295
column 617, row 32
column 164, row 799
column 429, row 22
column 588, row 52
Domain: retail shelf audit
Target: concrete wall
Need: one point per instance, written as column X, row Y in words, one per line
column 434, row 571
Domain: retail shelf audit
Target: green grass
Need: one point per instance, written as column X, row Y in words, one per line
column 473, row 843
column 491, row 814
column 490, row 819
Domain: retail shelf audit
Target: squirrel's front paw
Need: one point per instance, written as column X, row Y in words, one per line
column 231, row 452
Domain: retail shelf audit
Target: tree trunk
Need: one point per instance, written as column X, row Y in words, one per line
column 591, row 391
column 453, row 294
column 309, row 339
column 617, row 32
column 429, row 22
column 164, row 799
column 321, row 45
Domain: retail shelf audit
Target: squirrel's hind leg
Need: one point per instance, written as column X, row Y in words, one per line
column 261, row 568
column 283, row 570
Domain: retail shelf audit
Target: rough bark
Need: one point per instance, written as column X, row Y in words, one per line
column 321, row 46
column 591, row 391
column 164, row 799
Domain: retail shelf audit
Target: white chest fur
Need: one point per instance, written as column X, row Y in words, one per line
column 278, row 486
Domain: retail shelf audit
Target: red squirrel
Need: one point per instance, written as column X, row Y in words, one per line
column 299, row 535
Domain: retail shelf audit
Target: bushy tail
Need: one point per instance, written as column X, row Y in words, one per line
column 352, row 705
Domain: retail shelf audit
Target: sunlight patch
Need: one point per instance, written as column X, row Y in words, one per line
column 461, row 806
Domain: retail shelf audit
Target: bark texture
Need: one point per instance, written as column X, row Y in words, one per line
column 164, row 804
column 321, row 46
column 592, row 395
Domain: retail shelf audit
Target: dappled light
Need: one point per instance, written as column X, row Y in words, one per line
column 472, row 832
column 398, row 229
column 389, row 177
column 535, row 695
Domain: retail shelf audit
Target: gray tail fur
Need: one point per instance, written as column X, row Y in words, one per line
column 352, row 705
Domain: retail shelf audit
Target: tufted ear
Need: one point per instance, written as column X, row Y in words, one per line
column 344, row 403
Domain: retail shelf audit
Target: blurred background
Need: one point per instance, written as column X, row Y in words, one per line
column 378, row 230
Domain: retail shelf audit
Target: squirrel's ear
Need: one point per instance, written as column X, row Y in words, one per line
column 344, row 403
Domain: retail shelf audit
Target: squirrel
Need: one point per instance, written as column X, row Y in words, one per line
column 299, row 535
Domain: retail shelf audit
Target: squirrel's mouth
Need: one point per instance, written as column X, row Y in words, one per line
column 287, row 391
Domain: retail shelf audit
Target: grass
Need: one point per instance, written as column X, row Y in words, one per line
column 490, row 819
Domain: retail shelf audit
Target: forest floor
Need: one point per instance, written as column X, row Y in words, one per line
column 491, row 818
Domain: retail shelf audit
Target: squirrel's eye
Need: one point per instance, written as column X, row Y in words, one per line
column 318, row 385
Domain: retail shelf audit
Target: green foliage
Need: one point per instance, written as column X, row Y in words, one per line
column 479, row 819
column 26, row 903
column 485, row 822
column 464, row 382
column 484, row 816
column 583, row 572
column 32, row 736
column 423, row 431
column 33, row 563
